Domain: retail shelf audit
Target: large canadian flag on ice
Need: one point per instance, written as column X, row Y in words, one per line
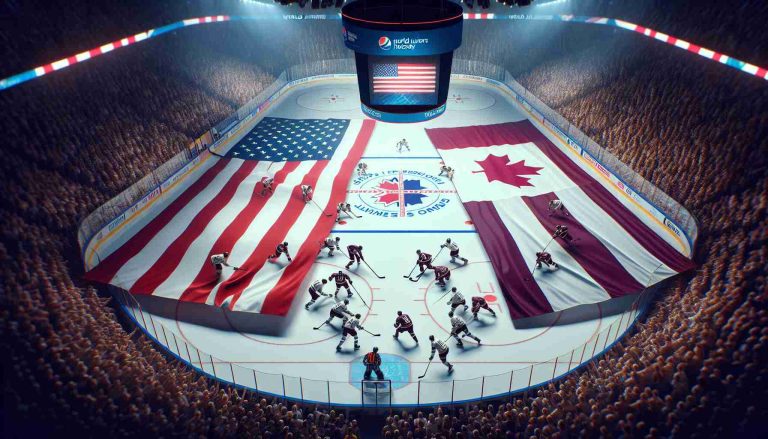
column 506, row 175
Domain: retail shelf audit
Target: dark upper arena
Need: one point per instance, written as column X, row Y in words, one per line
column 695, row 365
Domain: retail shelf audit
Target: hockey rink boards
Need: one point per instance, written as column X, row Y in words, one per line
column 396, row 219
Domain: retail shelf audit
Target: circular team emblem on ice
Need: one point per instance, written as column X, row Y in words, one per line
column 385, row 43
column 400, row 193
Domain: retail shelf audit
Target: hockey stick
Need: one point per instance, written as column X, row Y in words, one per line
column 321, row 325
column 359, row 295
column 550, row 242
column 409, row 274
column 441, row 297
column 417, row 277
column 321, row 209
column 369, row 267
column 425, row 370
column 375, row 335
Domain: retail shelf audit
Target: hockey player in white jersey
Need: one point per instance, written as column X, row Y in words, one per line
column 306, row 192
column 219, row 261
column 338, row 311
column 266, row 183
column 315, row 291
column 403, row 144
column 456, row 300
column 454, row 248
column 441, row 348
column 331, row 244
column 459, row 327
column 351, row 325
column 343, row 208
column 362, row 169
column 447, row 170
column 557, row 206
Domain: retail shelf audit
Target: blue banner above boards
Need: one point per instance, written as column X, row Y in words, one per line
column 415, row 117
column 383, row 42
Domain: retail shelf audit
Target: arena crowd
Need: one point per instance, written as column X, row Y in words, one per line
column 695, row 366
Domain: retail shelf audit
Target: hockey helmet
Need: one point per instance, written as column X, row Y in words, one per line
column 418, row 252
column 285, row 244
column 375, row 349
column 226, row 254
column 399, row 313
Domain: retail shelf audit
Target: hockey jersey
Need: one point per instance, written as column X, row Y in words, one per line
column 440, row 347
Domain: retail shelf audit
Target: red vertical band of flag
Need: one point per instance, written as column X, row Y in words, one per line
column 172, row 256
column 524, row 296
column 586, row 249
column 279, row 300
column 106, row 270
column 206, row 280
column 239, row 281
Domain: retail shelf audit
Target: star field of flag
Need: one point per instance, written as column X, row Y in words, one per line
column 276, row 139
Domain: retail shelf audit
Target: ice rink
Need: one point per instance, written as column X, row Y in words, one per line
column 391, row 230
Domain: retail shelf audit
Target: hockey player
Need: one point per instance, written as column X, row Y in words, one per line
column 403, row 144
column 339, row 310
column 351, row 325
column 557, row 206
column 561, row 231
column 331, row 244
column 315, row 291
column 442, row 352
column 306, row 192
column 372, row 362
column 424, row 260
column 362, row 169
column 459, row 326
column 267, row 182
column 342, row 280
column 279, row 250
column 403, row 323
column 219, row 261
column 447, row 170
column 480, row 302
column 441, row 274
column 343, row 208
column 456, row 300
column 454, row 248
column 355, row 254
column 545, row 258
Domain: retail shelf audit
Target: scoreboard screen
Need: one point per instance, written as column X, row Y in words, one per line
column 398, row 80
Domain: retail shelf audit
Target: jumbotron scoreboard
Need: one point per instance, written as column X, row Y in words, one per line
column 403, row 55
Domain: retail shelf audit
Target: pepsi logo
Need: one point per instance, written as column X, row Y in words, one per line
column 385, row 43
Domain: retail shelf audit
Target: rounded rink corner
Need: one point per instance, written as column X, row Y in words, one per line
column 398, row 204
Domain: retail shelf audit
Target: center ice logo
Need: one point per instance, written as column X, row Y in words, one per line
column 400, row 193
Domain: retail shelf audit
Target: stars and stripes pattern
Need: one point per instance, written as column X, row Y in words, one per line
column 279, row 139
column 615, row 251
column 223, row 210
column 405, row 78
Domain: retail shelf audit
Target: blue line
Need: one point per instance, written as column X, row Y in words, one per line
column 403, row 231
column 400, row 157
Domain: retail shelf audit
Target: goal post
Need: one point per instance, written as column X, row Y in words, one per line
column 376, row 393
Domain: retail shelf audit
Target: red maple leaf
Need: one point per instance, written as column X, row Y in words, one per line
column 498, row 168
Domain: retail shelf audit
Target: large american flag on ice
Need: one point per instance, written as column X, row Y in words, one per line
column 506, row 174
column 223, row 210
column 404, row 78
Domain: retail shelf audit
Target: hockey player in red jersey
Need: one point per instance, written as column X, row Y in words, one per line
column 545, row 258
column 403, row 323
column 442, row 274
column 342, row 280
column 561, row 231
column 355, row 254
column 331, row 244
column 424, row 260
column 480, row 302
column 279, row 250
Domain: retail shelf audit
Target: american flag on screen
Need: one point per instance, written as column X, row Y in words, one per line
column 404, row 78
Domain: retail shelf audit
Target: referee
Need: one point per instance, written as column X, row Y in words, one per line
column 372, row 361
